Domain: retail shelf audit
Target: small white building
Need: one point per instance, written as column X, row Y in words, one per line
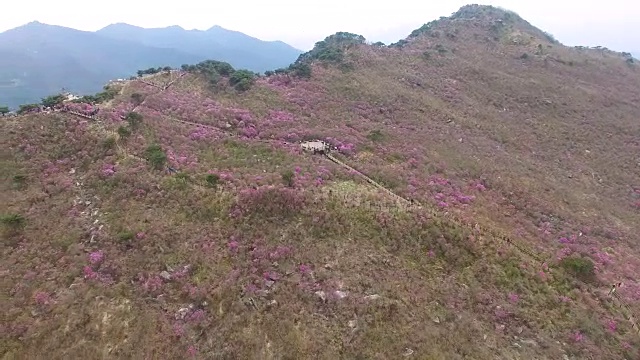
column 315, row 146
column 70, row 96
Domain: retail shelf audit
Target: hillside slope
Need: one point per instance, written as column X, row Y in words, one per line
column 523, row 171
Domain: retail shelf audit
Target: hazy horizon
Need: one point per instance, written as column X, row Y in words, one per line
column 590, row 23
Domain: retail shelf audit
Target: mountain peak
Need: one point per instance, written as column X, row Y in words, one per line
column 120, row 26
column 473, row 11
column 34, row 25
column 175, row 27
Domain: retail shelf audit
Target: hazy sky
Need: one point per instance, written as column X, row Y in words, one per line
column 613, row 23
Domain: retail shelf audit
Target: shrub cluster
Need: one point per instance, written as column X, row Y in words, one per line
column 214, row 71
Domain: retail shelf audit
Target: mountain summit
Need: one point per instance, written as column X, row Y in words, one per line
column 471, row 191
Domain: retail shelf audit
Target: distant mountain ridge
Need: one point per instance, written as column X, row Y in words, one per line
column 37, row 59
column 217, row 43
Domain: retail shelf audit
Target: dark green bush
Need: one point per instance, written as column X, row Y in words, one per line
column 242, row 80
column 12, row 221
column 134, row 119
column 109, row 143
column 125, row 236
column 581, row 267
column 19, row 181
column 375, row 135
column 212, row 180
column 124, row 132
column 288, row 178
column 156, row 156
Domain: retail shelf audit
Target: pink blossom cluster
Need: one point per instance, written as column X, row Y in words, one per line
column 96, row 257
column 91, row 274
column 478, row 185
column 239, row 114
column 446, row 193
column 83, row 108
column 180, row 159
column 115, row 114
column 150, row 283
column 568, row 240
column 347, row 149
column 564, row 299
column 304, row 269
column 108, row 169
column 277, row 116
column 27, row 148
column 277, row 81
column 50, row 168
column 249, row 132
column 233, row 245
column 280, row 252
column 201, row 133
column 629, row 291
column 545, row 227
column 564, row 252
column 42, row 298
column 611, row 325
column 577, row 336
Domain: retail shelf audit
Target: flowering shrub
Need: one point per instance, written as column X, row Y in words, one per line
column 577, row 336
column 150, row 283
column 611, row 325
column 96, row 257
column 108, row 170
column 42, row 298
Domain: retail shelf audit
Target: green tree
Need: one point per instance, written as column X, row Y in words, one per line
column 302, row 70
column 581, row 267
column 27, row 107
column 134, row 119
column 53, row 100
column 288, row 178
column 156, row 156
column 212, row 180
column 4, row 110
column 241, row 80
column 137, row 98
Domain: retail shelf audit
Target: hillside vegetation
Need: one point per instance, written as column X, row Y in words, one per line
column 186, row 222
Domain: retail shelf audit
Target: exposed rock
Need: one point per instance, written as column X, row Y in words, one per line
column 165, row 275
column 182, row 313
column 408, row 352
column 529, row 342
column 340, row 294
